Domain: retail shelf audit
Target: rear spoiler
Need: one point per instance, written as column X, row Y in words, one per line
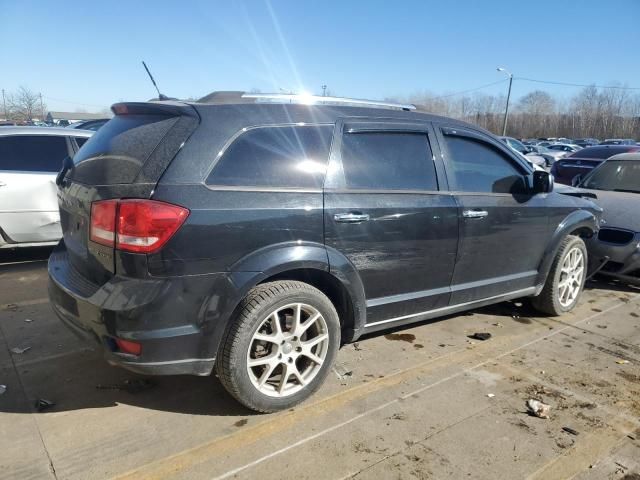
column 168, row 108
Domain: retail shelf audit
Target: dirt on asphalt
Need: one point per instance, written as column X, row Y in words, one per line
column 420, row 402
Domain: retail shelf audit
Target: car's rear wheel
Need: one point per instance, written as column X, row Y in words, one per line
column 565, row 281
column 280, row 346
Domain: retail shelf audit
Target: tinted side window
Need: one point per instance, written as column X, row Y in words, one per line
column 477, row 166
column 81, row 141
column 276, row 157
column 32, row 153
column 388, row 160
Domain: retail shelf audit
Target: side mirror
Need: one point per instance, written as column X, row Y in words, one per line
column 67, row 164
column 542, row 182
column 575, row 181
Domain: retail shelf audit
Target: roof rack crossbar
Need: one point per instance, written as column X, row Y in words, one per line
column 319, row 100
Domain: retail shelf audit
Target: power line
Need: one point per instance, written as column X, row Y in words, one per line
column 575, row 84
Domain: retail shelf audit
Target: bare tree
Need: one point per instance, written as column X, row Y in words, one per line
column 24, row 105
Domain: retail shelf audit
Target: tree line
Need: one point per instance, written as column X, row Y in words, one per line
column 592, row 112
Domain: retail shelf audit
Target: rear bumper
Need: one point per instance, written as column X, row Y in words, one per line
column 170, row 317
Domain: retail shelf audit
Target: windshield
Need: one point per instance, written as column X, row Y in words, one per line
column 621, row 176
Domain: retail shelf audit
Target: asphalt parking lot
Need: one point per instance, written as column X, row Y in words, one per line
column 422, row 402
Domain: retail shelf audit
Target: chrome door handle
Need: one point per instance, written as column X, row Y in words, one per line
column 351, row 217
column 475, row 213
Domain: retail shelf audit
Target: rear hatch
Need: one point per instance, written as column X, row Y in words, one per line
column 124, row 159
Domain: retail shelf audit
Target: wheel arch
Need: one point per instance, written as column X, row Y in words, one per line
column 324, row 268
column 581, row 223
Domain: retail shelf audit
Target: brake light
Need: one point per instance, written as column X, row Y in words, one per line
column 139, row 226
column 103, row 222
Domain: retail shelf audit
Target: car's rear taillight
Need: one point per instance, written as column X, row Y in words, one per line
column 103, row 222
column 133, row 225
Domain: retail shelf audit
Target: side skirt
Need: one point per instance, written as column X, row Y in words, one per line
column 439, row 312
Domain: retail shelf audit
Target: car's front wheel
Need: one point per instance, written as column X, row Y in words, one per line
column 280, row 346
column 565, row 281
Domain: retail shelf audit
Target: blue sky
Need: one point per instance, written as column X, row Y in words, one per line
column 89, row 53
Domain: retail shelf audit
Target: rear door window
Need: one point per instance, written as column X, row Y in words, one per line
column 388, row 161
column 478, row 166
column 32, row 153
column 287, row 156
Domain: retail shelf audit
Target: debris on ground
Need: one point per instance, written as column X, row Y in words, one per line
column 28, row 320
column 537, row 408
column 43, row 404
column 20, row 351
column 622, row 362
column 3, row 388
column 570, row 430
column 491, row 395
column 12, row 307
column 497, row 324
column 135, row 385
column 341, row 372
column 398, row 416
column 480, row 336
column 356, row 346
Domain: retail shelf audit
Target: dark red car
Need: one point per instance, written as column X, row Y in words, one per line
column 585, row 160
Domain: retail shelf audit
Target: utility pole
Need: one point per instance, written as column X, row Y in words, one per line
column 4, row 103
column 41, row 109
column 324, row 90
column 506, row 108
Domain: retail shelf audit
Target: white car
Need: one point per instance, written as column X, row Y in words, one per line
column 30, row 159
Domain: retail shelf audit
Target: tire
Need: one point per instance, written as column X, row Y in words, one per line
column 269, row 312
column 553, row 299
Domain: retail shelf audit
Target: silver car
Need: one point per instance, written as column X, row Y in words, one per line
column 30, row 158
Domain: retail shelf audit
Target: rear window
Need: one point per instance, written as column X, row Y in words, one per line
column 32, row 153
column 598, row 152
column 288, row 156
column 118, row 151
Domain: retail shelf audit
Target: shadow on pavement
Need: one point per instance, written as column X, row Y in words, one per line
column 83, row 380
column 14, row 257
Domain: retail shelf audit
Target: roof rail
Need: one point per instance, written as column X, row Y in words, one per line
column 319, row 100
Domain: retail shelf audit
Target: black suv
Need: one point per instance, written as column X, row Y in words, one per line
column 254, row 234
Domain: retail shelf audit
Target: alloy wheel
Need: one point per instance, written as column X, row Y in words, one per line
column 287, row 350
column 571, row 277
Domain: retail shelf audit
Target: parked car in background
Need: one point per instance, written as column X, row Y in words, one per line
column 30, row 158
column 525, row 151
column 224, row 235
column 586, row 142
column 93, row 125
column 549, row 156
column 564, row 147
column 585, row 160
column 616, row 183
column 619, row 141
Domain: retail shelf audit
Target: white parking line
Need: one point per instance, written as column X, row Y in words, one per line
column 310, row 438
